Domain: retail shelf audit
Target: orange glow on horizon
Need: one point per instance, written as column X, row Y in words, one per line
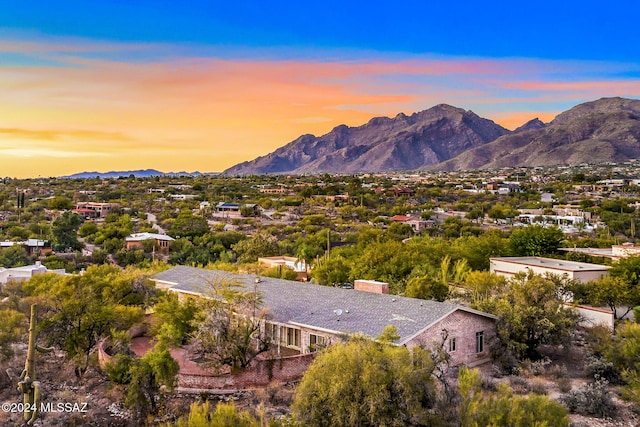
column 88, row 114
column 514, row 120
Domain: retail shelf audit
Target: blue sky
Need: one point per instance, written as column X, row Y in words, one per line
column 542, row 29
column 206, row 84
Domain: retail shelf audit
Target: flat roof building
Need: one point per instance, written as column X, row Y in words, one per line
column 162, row 241
column 25, row 272
column 582, row 271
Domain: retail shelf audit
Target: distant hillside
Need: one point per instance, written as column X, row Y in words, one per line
column 400, row 143
column 449, row 138
column 606, row 130
column 137, row 173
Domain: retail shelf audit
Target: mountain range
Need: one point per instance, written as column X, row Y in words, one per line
column 139, row 173
column 449, row 138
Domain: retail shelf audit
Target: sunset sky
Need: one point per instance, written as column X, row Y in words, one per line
column 203, row 85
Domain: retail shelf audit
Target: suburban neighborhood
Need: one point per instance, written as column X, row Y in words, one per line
column 241, row 286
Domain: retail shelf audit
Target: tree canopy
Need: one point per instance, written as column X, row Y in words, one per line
column 80, row 310
column 535, row 240
column 530, row 314
column 365, row 383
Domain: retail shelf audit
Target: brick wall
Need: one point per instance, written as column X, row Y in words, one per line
column 371, row 286
column 461, row 326
column 261, row 374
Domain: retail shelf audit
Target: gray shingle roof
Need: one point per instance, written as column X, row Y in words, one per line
column 318, row 306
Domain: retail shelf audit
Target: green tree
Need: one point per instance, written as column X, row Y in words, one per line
column 248, row 211
column 60, row 203
column 14, row 256
column 389, row 261
column 175, row 317
column 452, row 226
column 331, row 271
column 483, row 285
column 18, row 233
column 425, row 287
column 399, row 231
column 530, row 314
column 148, row 375
column 12, row 329
column 535, row 240
column 624, row 351
column 81, row 310
column 389, row 335
column 503, row 408
column 260, row 245
column 478, row 249
column 611, row 291
column 88, row 228
column 65, row 231
column 225, row 415
column 365, row 383
column 113, row 232
column 502, row 211
column 475, row 214
column 628, row 270
column 188, row 225
column 280, row 272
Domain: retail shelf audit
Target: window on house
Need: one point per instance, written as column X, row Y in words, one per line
column 316, row 342
column 290, row 337
column 293, row 338
column 452, row 345
column 479, row 342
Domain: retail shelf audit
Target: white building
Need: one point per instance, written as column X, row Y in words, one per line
column 582, row 271
column 26, row 272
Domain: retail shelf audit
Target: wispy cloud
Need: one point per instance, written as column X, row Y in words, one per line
column 57, row 135
column 40, row 152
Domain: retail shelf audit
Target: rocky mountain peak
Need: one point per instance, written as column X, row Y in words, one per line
column 531, row 125
column 448, row 137
column 400, row 143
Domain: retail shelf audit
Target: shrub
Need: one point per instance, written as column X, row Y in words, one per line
column 537, row 387
column 119, row 368
column 598, row 339
column 519, row 385
column 539, row 367
column 558, row 371
column 564, row 384
column 598, row 367
column 592, row 399
column 489, row 384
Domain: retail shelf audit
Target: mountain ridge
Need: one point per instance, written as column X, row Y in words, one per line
column 401, row 143
column 605, row 130
column 445, row 137
column 138, row 173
